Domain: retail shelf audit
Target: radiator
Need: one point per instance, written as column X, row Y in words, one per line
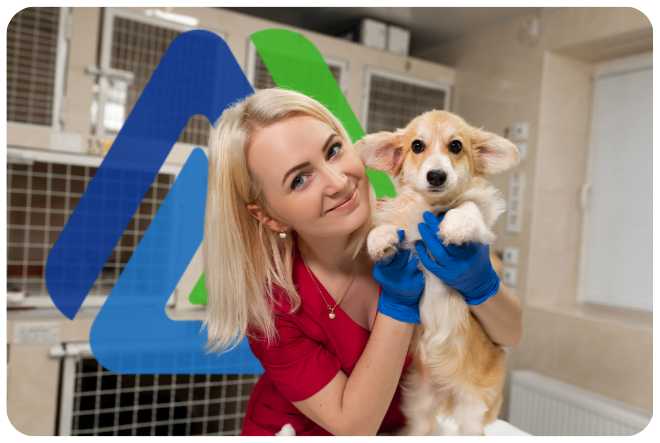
column 542, row 405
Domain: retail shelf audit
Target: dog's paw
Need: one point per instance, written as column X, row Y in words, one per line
column 464, row 224
column 286, row 431
column 383, row 242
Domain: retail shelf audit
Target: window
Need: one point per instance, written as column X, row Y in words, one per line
column 41, row 195
column 36, row 50
column 392, row 100
column 260, row 78
column 617, row 253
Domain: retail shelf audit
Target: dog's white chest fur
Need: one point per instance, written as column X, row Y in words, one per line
column 444, row 314
column 438, row 157
column 469, row 219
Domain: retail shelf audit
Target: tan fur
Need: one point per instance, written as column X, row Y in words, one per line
column 457, row 371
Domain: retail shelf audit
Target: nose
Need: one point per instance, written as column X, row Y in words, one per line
column 337, row 180
column 436, row 178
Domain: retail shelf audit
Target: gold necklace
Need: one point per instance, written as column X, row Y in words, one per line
column 332, row 310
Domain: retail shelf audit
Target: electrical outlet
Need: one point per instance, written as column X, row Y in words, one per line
column 509, row 276
column 521, row 131
column 510, row 256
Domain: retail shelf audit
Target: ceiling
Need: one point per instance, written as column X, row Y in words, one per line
column 428, row 26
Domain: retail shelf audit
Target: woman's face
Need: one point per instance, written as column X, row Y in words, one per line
column 312, row 179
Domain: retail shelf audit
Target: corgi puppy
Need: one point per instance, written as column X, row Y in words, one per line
column 437, row 163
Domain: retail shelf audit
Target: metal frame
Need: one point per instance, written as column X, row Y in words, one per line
column 59, row 100
column 370, row 71
column 250, row 62
column 28, row 156
column 109, row 15
column 343, row 67
column 250, row 67
column 71, row 355
column 607, row 68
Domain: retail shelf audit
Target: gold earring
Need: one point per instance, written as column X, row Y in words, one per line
column 282, row 234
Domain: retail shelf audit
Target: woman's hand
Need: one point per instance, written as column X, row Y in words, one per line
column 465, row 268
column 403, row 284
column 357, row 404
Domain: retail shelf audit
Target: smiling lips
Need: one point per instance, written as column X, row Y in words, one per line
column 346, row 203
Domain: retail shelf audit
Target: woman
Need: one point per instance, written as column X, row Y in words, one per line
column 288, row 212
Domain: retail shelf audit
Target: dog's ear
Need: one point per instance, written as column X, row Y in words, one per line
column 492, row 153
column 382, row 151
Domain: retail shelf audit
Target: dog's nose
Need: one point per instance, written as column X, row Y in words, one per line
column 436, row 178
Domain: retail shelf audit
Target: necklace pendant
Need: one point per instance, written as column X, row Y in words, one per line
column 332, row 315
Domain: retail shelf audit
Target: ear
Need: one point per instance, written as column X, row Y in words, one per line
column 382, row 151
column 492, row 153
column 270, row 222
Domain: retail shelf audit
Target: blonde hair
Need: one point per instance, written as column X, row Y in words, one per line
column 242, row 257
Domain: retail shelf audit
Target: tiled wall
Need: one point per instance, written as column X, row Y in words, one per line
column 501, row 81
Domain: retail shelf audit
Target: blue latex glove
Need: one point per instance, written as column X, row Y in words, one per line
column 465, row 268
column 403, row 284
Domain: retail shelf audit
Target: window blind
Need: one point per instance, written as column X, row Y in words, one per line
column 619, row 254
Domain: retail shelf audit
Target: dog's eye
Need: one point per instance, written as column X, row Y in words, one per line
column 455, row 146
column 417, row 146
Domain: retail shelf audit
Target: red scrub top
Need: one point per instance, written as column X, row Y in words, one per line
column 312, row 349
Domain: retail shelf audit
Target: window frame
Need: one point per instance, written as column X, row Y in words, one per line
column 610, row 67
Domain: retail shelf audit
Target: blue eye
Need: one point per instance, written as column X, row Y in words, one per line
column 301, row 179
column 336, row 148
column 298, row 181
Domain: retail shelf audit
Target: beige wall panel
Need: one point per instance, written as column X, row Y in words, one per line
column 566, row 93
column 500, row 80
column 611, row 360
column 85, row 24
column 28, row 136
column 563, row 145
column 575, row 26
column 179, row 154
column 33, row 419
column 10, row 331
column 76, row 330
column 32, row 380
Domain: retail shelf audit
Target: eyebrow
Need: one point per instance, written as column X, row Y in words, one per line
column 304, row 165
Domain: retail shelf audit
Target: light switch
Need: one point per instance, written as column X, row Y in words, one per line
column 521, row 131
column 510, row 256
column 509, row 276
column 514, row 212
column 522, row 149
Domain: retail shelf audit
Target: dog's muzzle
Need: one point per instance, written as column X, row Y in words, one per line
column 436, row 178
